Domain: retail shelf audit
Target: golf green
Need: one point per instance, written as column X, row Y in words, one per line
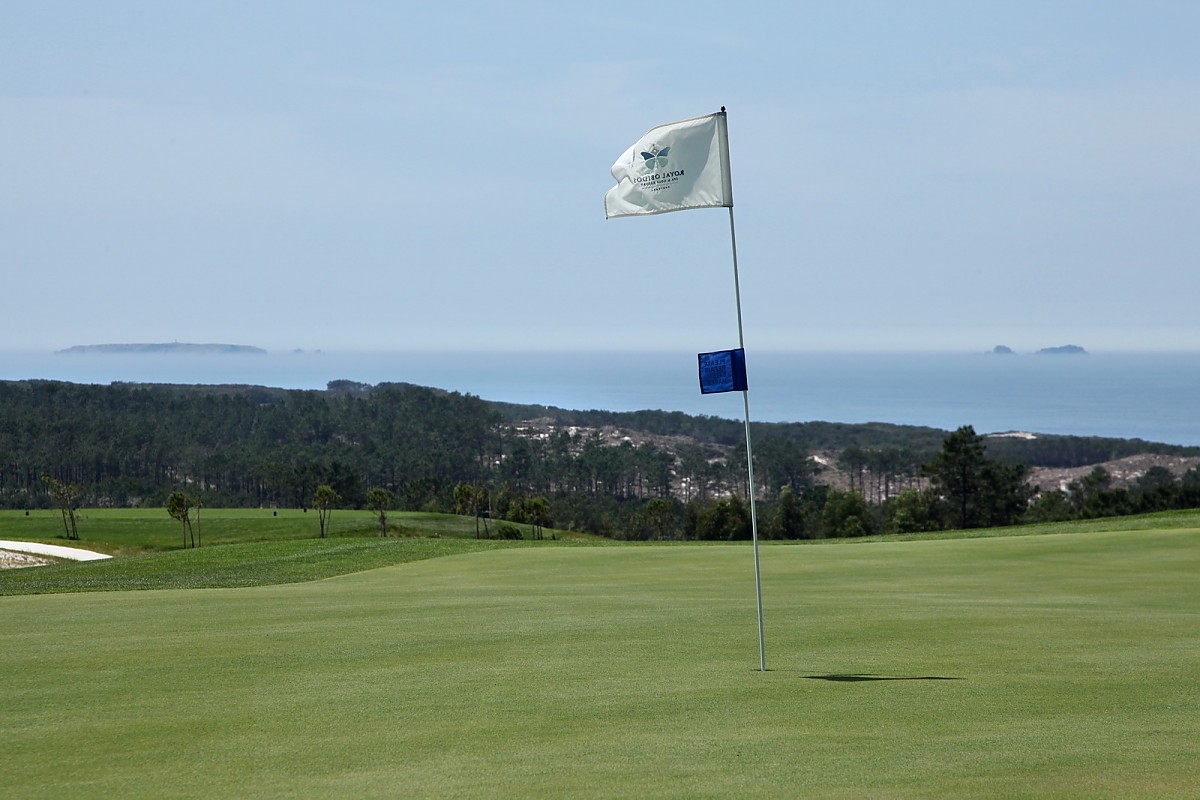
column 1029, row 666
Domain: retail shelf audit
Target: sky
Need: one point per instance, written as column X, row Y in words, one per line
column 925, row 175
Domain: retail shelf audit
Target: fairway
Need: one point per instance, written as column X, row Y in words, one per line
column 1030, row 666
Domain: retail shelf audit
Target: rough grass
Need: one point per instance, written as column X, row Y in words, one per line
column 231, row 565
column 241, row 547
column 1060, row 665
column 132, row 531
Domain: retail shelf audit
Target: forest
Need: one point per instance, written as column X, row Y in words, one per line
column 644, row 474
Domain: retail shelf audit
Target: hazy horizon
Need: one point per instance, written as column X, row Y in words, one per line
column 585, row 348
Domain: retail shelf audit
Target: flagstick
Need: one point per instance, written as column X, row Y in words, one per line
column 737, row 291
column 628, row 198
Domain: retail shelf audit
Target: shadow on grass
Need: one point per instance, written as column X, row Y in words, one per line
column 859, row 678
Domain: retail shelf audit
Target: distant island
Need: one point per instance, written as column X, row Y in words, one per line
column 1064, row 350
column 166, row 347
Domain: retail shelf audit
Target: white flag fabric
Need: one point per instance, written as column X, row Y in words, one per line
column 673, row 167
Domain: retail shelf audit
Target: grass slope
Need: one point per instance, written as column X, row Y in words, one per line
column 241, row 547
column 135, row 531
column 1032, row 666
column 231, row 565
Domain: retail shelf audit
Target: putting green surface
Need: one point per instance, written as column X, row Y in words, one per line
column 1036, row 666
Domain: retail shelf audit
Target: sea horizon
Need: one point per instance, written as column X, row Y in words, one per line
column 1127, row 394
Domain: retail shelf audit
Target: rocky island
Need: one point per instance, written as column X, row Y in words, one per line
column 1064, row 350
column 166, row 347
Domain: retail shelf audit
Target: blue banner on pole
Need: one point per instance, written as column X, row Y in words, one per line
column 723, row 371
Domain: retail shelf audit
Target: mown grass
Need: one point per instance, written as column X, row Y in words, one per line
column 1163, row 520
column 1059, row 665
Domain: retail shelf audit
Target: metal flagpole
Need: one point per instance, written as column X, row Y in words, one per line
column 627, row 199
column 737, row 291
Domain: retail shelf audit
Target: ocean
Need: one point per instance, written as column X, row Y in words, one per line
column 1149, row 396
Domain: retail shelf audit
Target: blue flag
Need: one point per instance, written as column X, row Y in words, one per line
column 723, row 371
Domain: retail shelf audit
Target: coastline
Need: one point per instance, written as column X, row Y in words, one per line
column 1117, row 395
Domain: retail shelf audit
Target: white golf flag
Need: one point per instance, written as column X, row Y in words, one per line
column 673, row 167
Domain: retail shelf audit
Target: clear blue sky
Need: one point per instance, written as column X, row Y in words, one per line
column 907, row 176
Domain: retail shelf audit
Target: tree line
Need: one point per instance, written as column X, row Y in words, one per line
column 409, row 447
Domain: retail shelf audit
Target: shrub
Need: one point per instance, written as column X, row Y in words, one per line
column 508, row 532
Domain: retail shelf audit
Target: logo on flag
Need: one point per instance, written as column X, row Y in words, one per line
column 656, row 159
